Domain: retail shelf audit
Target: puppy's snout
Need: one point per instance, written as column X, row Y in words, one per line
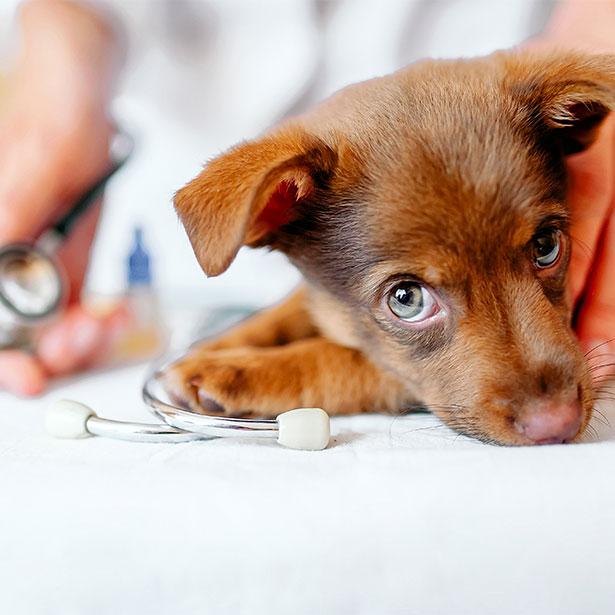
column 550, row 421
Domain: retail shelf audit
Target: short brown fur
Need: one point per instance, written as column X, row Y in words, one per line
column 440, row 173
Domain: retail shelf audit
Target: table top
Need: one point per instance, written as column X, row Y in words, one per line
column 399, row 515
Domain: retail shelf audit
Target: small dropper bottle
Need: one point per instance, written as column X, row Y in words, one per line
column 148, row 337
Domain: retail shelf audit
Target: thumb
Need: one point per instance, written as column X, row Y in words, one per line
column 596, row 321
column 20, row 373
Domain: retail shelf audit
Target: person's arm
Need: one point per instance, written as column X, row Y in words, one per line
column 54, row 138
column 589, row 25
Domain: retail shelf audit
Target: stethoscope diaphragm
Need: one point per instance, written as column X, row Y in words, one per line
column 31, row 285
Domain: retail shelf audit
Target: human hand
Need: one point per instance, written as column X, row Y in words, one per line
column 576, row 24
column 592, row 268
column 54, row 142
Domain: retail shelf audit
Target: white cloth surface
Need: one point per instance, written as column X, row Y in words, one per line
column 400, row 515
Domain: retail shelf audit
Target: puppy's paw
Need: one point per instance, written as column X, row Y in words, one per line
column 267, row 381
column 183, row 381
column 234, row 382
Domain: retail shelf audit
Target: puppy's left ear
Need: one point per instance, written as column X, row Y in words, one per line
column 245, row 195
column 568, row 94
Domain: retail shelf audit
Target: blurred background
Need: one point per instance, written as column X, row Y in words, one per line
column 201, row 75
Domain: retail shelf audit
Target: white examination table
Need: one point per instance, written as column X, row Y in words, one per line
column 400, row 515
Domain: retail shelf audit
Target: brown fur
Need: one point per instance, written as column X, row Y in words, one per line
column 441, row 172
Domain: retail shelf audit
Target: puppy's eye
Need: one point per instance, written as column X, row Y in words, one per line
column 547, row 248
column 412, row 302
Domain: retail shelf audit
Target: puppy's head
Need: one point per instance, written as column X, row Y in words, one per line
column 427, row 210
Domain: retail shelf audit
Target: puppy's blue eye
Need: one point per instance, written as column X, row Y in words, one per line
column 547, row 248
column 412, row 302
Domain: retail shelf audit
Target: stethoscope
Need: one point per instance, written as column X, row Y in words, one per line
column 302, row 428
column 33, row 289
column 33, row 286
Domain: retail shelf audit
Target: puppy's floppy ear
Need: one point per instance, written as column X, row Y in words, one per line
column 245, row 195
column 568, row 94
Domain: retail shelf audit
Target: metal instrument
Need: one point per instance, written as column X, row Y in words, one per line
column 32, row 283
column 302, row 428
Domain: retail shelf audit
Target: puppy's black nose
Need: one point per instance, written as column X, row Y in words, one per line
column 551, row 422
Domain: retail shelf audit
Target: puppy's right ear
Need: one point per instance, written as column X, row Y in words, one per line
column 249, row 192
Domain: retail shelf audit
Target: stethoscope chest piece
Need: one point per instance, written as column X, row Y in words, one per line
column 31, row 286
column 32, row 289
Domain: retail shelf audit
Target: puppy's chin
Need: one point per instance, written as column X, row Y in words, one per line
column 546, row 422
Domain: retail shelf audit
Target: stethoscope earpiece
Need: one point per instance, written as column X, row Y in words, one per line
column 306, row 429
column 68, row 419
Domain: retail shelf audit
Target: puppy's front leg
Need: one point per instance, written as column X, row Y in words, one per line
column 283, row 323
column 268, row 381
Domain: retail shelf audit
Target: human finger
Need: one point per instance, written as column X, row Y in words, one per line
column 21, row 373
column 80, row 339
column 596, row 319
column 591, row 191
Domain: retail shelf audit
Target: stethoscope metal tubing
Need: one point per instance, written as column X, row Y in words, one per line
column 139, row 432
column 300, row 428
column 204, row 425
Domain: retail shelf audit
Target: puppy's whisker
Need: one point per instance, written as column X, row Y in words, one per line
column 590, row 430
column 605, row 381
column 604, row 389
column 598, row 392
column 603, row 385
column 606, row 386
column 599, row 346
column 605, row 394
column 599, row 356
column 605, row 364
column 601, row 421
column 600, row 378
column 423, row 429
column 601, row 415
column 595, row 368
column 586, row 247
column 454, row 408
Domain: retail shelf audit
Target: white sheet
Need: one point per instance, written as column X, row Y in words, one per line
column 400, row 515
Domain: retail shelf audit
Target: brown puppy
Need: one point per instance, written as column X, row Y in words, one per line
column 427, row 212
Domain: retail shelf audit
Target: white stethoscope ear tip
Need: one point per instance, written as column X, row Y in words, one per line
column 305, row 429
column 68, row 419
